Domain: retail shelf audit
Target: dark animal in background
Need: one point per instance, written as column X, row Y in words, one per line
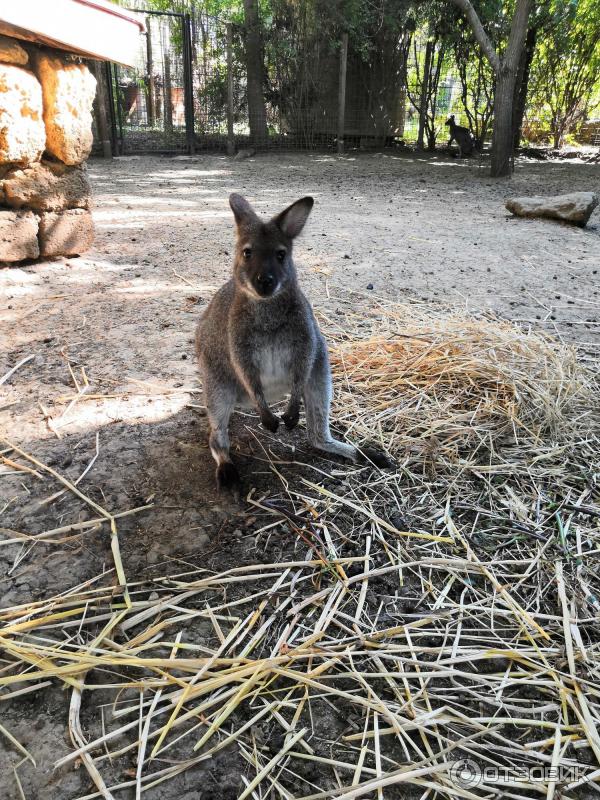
column 258, row 341
column 462, row 137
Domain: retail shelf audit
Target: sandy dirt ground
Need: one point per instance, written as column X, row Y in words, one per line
column 112, row 375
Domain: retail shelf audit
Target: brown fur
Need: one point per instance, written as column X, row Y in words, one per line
column 258, row 340
column 462, row 137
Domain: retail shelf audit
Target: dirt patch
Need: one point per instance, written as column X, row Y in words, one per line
column 111, row 339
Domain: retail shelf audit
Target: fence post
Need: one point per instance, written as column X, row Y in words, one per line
column 188, row 90
column 168, row 101
column 150, row 92
column 102, row 115
column 230, row 135
column 110, row 100
column 342, row 93
column 117, row 103
column 401, row 111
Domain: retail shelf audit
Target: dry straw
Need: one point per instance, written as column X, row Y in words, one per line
column 442, row 611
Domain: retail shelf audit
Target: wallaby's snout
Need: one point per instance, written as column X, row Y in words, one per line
column 263, row 264
column 260, row 265
column 265, row 284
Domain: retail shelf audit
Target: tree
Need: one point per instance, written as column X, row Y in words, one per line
column 476, row 82
column 423, row 94
column 423, row 89
column 426, row 70
column 302, row 45
column 567, row 65
column 522, row 83
column 257, row 116
column 505, row 67
column 428, row 86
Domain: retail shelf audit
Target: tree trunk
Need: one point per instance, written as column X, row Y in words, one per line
column 437, row 62
column 424, row 94
column 101, row 111
column 522, row 85
column 557, row 138
column 502, row 135
column 506, row 78
column 402, row 74
column 257, row 116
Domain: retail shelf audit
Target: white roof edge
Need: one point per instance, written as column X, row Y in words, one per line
column 93, row 28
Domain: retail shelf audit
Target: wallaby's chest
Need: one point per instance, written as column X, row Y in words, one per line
column 274, row 362
column 274, row 347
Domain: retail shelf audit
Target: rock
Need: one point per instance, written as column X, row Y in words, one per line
column 576, row 207
column 4, row 170
column 68, row 91
column 68, row 233
column 22, row 133
column 46, row 186
column 11, row 52
column 18, row 235
column 242, row 154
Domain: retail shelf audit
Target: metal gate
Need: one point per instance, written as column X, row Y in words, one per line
column 179, row 97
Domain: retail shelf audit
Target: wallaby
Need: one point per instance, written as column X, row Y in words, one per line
column 462, row 137
column 258, row 341
column 242, row 155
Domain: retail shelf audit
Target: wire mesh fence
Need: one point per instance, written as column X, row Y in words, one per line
column 149, row 99
column 188, row 90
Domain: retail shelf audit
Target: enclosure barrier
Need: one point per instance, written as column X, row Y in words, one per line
column 189, row 90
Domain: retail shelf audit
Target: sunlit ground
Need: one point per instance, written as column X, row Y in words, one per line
column 104, row 392
column 123, row 315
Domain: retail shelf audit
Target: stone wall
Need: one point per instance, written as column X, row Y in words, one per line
column 46, row 101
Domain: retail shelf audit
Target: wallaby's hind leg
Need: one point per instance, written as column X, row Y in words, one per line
column 317, row 400
column 220, row 402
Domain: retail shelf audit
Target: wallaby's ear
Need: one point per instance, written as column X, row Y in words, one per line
column 291, row 221
column 242, row 210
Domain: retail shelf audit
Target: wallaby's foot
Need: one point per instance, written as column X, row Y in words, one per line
column 291, row 416
column 229, row 478
column 377, row 457
column 269, row 421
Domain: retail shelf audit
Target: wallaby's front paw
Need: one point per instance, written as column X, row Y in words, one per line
column 269, row 421
column 377, row 457
column 291, row 417
column 229, row 478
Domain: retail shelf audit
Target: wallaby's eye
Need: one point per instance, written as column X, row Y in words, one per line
column 281, row 255
column 246, row 252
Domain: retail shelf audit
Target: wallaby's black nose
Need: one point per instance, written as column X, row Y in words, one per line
column 265, row 283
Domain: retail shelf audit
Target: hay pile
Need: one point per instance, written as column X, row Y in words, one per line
column 444, row 612
column 456, row 386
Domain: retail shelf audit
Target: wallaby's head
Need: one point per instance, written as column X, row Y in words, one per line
column 450, row 121
column 263, row 263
